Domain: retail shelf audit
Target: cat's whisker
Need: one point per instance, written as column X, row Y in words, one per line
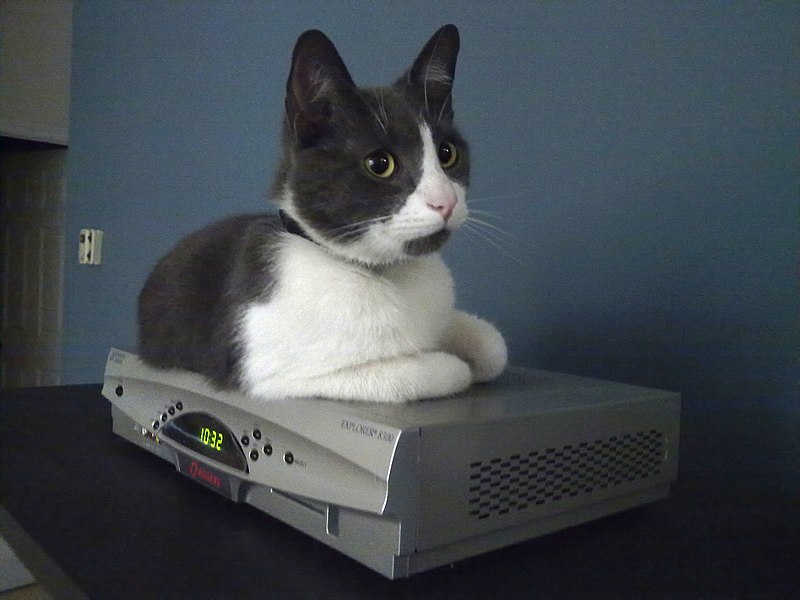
column 363, row 223
column 484, row 219
column 498, row 235
column 503, row 237
column 353, row 228
column 472, row 228
column 489, row 214
column 490, row 234
column 481, row 199
column 494, row 228
column 356, row 228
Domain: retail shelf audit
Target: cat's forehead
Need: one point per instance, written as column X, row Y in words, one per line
column 393, row 115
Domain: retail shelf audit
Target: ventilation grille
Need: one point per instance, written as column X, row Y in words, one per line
column 507, row 485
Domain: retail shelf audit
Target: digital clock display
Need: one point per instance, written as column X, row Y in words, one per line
column 212, row 438
column 208, row 436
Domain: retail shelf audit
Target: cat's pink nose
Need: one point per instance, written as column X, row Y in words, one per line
column 443, row 205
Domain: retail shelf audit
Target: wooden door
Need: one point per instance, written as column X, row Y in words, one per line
column 32, row 206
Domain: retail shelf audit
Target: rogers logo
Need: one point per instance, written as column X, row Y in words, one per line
column 198, row 472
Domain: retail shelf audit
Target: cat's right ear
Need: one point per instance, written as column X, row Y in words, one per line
column 317, row 78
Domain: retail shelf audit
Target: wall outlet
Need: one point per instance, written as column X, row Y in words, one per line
column 90, row 247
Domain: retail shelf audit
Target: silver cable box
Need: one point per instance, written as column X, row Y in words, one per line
column 406, row 488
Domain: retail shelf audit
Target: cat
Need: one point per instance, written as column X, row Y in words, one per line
column 344, row 295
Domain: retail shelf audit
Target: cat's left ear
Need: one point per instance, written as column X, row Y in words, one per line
column 431, row 75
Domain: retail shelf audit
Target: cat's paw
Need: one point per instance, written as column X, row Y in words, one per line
column 442, row 374
column 480, row 344
column 490, row 356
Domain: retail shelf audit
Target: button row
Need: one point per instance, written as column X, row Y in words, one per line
column 178, row 406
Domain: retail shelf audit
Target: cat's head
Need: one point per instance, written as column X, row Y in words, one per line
column 375, row 175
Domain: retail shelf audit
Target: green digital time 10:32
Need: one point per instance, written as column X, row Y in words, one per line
column 211, row 438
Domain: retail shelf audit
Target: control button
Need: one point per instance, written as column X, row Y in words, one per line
column 257, row 434
column 254, row 454
column 268, row 450
column 171, row 410
column 164, row 417
column 119, row 391
column 289, row 458
column 179, row 405
column 156, row 424
column 245, row 440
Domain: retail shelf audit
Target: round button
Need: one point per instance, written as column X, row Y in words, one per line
column 268, row 450
column 171, row 410
column 119, row 391
column 257, row 434
column 245, row 440
column 179, row 405
column 254, row 454
column 164, row 417
column 289, row 458
column 156, row 424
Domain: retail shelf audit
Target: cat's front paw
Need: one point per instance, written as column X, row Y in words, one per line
column 490, row 356
column 480, row 344
column 443, row 375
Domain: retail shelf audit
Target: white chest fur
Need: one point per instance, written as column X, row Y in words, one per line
column 325, row 315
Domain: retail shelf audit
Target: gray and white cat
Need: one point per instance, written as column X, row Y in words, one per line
column 345, row 295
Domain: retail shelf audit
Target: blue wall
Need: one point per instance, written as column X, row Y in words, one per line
column 641, row 160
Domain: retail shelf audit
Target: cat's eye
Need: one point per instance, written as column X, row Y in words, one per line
column 381, row 163
column 448, row 154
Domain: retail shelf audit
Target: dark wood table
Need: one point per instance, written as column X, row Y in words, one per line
column 92, row 515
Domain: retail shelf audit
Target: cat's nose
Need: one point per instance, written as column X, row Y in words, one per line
column 443, row 205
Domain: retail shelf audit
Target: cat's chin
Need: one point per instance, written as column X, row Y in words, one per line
column 427, row 244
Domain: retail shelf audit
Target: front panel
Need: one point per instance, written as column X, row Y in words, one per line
column 238, row 444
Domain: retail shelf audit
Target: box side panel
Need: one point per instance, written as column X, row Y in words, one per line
column 493, row 540
column 480, row 478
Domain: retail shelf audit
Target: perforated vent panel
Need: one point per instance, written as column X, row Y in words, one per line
column 504, row 485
